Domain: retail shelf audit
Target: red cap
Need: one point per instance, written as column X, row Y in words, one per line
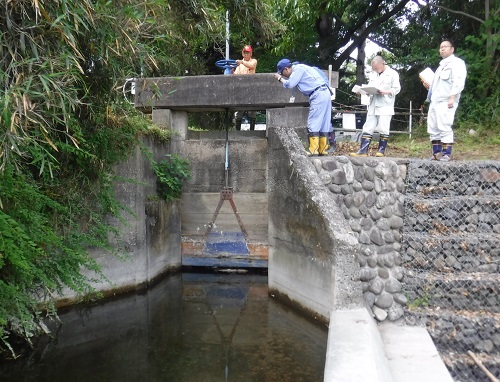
column 247, row 48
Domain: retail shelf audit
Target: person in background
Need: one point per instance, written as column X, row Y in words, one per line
column 381, row 107
column 311, row 83
column 444, row 95
column 247, row 65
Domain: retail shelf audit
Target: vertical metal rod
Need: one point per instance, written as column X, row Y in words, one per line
column 411, row 115
column 227, row 34
column 226, row 165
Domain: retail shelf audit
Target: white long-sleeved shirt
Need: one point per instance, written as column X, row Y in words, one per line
column 449, row 79
column 383, row 104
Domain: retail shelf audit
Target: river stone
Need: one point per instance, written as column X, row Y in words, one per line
column 380, row 314
column 364, row 238
column 383, row 224
column 338, row 177
column 359, row 198
column 377, row 286
column 330, row 165
column 367, row 274
column 383, row 273
column 400, row 185
column 402, row 171
column 361, row 259
column 379, row 185
column 366, row 224
column 369, row 173
column 317, row 165
column 395, row 312
column 359, row 173
column 486, row 346
column 376, row 237
column 496, row 339
column 346, row 189
column 384, row 300
column 369, row 298
column 371, row 199
column 400, row 298
column 371, row 162
column 342, row 159
column 382, row 171
column 396, row 222
column 363, row 210
column 348, row 200
column 356, row 186
column 374, row 213
column 354, row 212
column 349, row 171
column 387, row 212
column 399, row 209
column 335, row 188
column 355, row 226
column 397, row 273
column 372, row 261
column 326, row 178
column 367, row 185
column 384, row 249
column 388, row 237
column 383, row 199
column 393, row 286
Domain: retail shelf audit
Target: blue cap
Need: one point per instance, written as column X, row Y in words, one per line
column 282, row 64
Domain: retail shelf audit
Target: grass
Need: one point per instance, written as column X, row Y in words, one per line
column 471, row 143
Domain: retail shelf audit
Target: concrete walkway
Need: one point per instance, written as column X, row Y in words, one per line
column 360, row 350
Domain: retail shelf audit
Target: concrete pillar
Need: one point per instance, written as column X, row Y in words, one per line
column 177, row 121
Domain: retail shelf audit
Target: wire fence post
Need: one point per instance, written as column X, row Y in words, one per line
column 410, row 120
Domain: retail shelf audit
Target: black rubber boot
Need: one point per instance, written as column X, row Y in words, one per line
column 238, row 124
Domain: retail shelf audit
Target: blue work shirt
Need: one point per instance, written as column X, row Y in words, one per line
column 305, row 78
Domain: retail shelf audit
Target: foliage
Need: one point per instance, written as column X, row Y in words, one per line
column 171, row 173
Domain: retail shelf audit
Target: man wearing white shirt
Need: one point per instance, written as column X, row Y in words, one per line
column 381, row 107
column 444, row 95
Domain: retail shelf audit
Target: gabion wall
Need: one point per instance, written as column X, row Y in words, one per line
column 430, row 238
column 451, row 255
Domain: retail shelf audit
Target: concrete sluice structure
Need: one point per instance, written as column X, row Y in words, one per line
column 292, row 221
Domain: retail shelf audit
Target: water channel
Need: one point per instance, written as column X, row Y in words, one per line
column 189, row 327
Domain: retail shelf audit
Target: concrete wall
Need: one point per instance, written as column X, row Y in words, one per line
column 148, row 242
column 312, row 251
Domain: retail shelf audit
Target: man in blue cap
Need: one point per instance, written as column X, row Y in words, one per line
column 311, row 83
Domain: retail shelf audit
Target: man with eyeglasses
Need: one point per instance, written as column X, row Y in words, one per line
column 310, row 82
column 444, row 95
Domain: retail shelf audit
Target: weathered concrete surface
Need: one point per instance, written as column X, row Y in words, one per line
column 247, row 166
column 148, row 242
column 246, row 176
column 214, row 93
column 355, row 349
column 312, row 251
column 412, row 355
column 360, row 350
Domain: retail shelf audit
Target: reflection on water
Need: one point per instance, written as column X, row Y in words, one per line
column 189, row 327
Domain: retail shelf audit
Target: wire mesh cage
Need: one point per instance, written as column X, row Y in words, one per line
column 451, row 256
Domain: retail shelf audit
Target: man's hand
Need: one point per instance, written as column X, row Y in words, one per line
column 426, row 84
column 451, row 102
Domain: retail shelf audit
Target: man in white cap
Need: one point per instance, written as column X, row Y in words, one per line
column 311, row 83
